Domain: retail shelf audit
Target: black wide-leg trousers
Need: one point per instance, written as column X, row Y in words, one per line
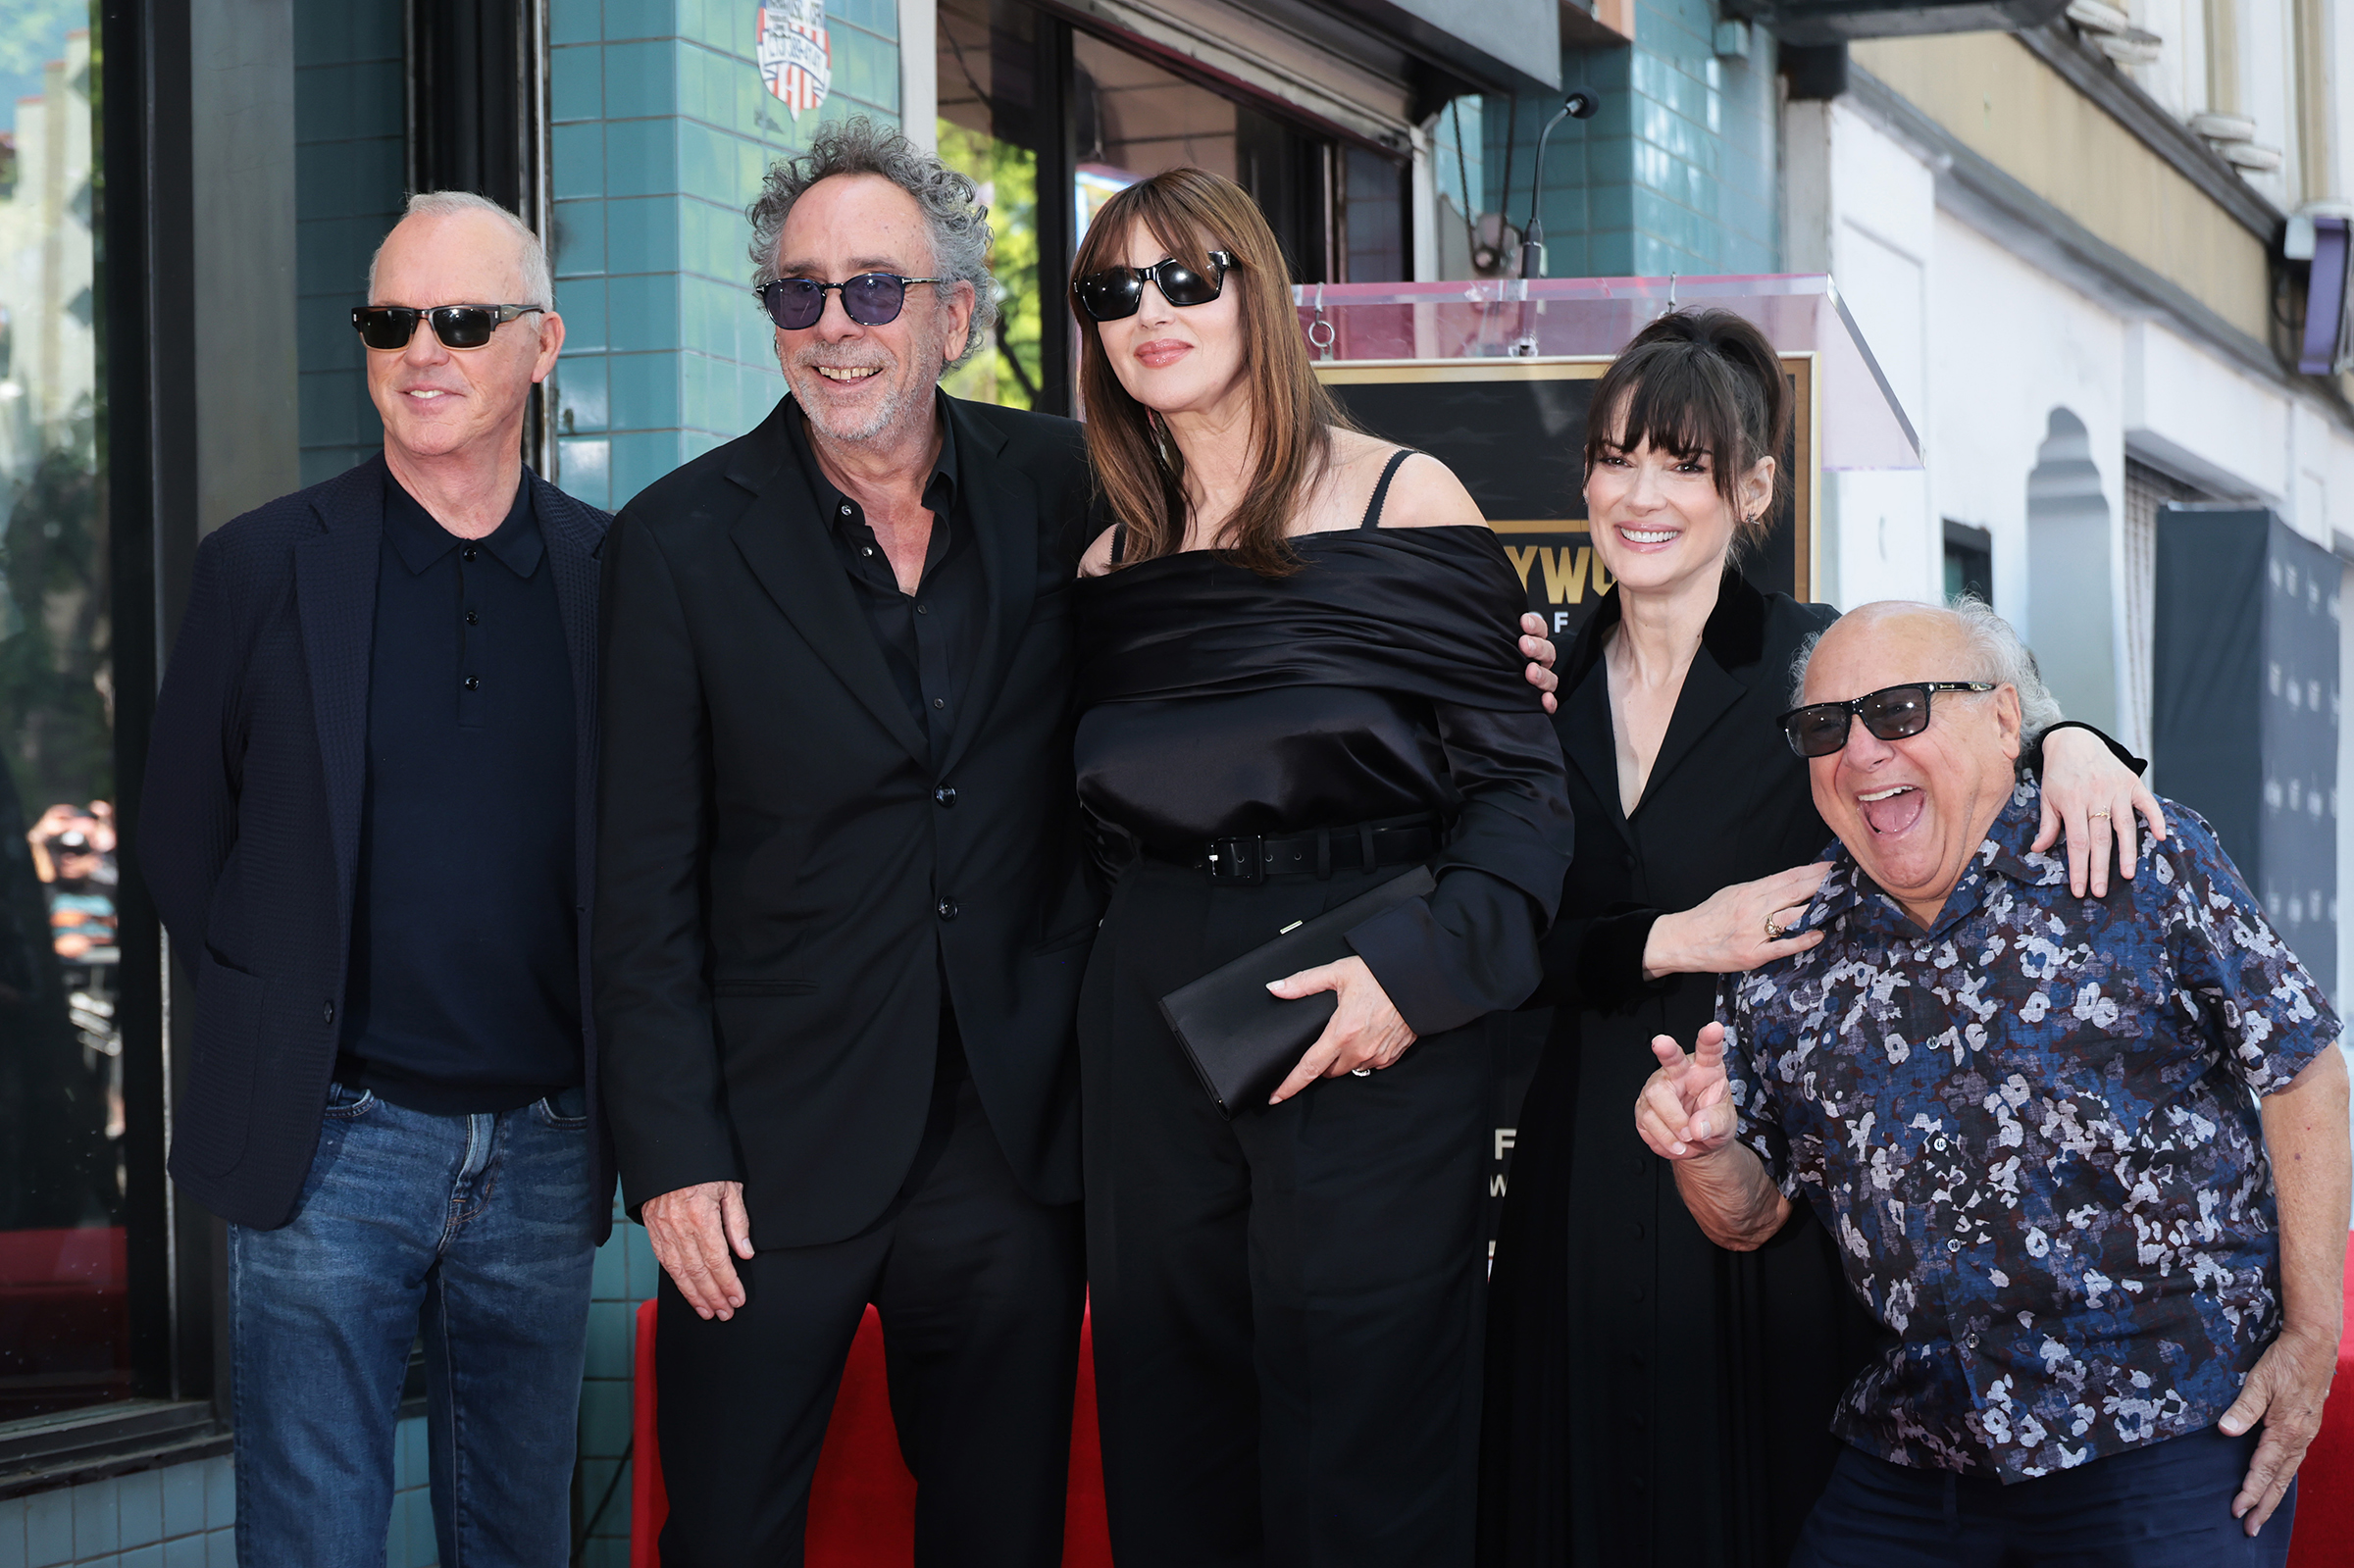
column 1287, row 1306
column 979, row 1288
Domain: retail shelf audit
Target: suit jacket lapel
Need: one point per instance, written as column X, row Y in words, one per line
column 784, row 541
column 1589, row 742
column 335, row 594
column 572, row 552
column 1003, row 507
column 1709, row 692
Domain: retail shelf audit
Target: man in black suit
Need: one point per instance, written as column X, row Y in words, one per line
column 842, row 912
column 367, row 825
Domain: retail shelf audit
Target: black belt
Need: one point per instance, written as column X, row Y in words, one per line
column 1250, row 859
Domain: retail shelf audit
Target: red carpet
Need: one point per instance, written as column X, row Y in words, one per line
column 2324, row 1537
column 862, row 1502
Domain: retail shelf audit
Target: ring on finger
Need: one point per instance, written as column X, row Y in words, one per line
column 1773, row 928
column 2096, row 814
column 1361, row 1072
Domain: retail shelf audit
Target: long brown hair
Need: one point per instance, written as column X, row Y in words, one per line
column 1694, row 382
column 1192, row 212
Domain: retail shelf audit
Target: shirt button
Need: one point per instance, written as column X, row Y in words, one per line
column 948, row 908
column 474, row 683
column 866, row 549
column 939, row 702
column 1952, row 1246
column 847, row 508
column 923, row 609
column 472, row 619
column 945, row 795
column 1937, row 1143
column 327, row 1012
column 1973, row 1342
column 470, row 552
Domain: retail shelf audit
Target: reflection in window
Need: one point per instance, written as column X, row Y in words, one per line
column 988, row 128
column 63, row 1338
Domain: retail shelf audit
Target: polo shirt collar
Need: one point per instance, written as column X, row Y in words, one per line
column 421, row 542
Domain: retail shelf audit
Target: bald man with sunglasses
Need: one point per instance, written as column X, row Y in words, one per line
column 367, row 825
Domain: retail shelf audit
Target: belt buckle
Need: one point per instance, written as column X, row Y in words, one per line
column 1241, row 862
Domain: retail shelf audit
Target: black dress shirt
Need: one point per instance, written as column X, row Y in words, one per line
column 465, row 987
column 929, row 637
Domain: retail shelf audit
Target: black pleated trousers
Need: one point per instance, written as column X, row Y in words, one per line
column 979, row 1288
column 1287, row 1306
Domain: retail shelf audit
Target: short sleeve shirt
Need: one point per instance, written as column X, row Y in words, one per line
column 2033, row 1132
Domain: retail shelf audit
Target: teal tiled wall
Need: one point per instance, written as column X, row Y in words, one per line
column 348, row 171
column 185, row 1516
column 661, row 132
column 626, row 1274
column 1677, row 170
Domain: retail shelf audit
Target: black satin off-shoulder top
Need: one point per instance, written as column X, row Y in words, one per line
column 1382, row 679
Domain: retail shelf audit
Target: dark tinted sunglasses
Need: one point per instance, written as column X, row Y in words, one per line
column 1115, row 293
column 390, row 326
column 871, row 299
column 1891, row 713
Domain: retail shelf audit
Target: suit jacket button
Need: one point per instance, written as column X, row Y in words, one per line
column 945, row 795
column 948, row 909
column 329, row 1012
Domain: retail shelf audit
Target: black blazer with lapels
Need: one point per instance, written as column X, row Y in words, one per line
column 784, row 875
column 249, row 831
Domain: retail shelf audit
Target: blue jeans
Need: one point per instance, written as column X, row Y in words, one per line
column 478, row 1230
column 2167, row 1506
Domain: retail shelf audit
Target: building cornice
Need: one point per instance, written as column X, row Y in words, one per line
column 2097, row 78
column 1981, row 192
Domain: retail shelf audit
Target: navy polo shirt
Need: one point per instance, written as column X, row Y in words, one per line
column 464, row 993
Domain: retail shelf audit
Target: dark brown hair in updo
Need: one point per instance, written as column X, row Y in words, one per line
column 1697, row 382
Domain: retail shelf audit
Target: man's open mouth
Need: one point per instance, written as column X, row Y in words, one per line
column 1893, row 809
column 849, row 372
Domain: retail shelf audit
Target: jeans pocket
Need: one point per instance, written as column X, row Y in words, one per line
column 567, row 1109
column 347, row 1104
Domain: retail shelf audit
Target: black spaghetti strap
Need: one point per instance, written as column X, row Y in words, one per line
column 1381, row 492
column 1119, row 542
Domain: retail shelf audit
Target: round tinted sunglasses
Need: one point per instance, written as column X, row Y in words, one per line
column 1891, row 713
column 390, row 326
column 1118, row 292
column 871, row 299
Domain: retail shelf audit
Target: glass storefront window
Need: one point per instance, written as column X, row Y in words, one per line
column 1036, row 110
column 64, row 1317
column 988, row 131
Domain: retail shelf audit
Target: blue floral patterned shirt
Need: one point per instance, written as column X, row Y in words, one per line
column 2034, row 1133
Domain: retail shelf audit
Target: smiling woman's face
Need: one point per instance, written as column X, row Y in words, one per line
column 1658, row 520
column 1174, row 359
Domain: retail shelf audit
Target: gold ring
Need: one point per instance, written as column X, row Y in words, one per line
column 1773, row 930
column 2096, row 814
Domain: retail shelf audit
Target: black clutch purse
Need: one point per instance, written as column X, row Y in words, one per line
column 1241, row 1039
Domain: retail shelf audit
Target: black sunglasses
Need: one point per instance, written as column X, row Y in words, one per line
column 871, row 299
column 1891, row 713
column 1116, row 292
column 390, row 326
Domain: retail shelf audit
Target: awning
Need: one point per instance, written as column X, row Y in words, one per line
column 1864, row 425
column 1500, row 45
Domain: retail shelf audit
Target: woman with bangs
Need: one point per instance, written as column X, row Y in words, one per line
column 1298, row 678
column 1651, row 1397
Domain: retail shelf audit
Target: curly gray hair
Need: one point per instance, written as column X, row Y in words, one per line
column 953, row 213
column 2001, row 658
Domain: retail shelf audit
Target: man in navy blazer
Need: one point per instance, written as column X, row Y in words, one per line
column 370, row 801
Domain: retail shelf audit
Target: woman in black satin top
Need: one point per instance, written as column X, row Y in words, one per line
column 1296, row 650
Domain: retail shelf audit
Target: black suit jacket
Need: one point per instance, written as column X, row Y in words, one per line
column 249, row 834
column 784, row 875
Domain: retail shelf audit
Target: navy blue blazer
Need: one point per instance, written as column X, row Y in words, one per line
column 249, row 831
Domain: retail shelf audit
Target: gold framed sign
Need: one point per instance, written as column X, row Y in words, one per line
column 1514, row 432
